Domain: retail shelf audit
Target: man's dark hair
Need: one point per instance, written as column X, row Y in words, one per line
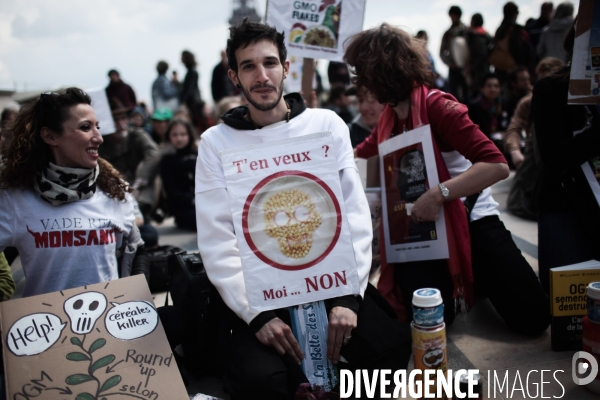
column 420, row 34
column 513, row 74
column 487, row 77
column 510, row 9
column 455, row 10
column 162, row 67
column 249, row 33
column 113, row 71
column 336, row 92
column 477, row 20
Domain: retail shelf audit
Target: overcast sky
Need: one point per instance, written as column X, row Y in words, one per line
column 46, row 44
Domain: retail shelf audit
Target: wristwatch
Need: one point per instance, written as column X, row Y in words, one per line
column 445, row 191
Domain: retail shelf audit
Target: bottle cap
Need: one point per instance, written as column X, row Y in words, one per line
column 427, row 297
column 593, row 290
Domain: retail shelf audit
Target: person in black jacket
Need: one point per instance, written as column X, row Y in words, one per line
column 190, row 93
column 177, row 173
column 488, row 109
column 568, row 137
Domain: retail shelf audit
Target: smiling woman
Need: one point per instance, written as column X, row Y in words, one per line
column 54, row 187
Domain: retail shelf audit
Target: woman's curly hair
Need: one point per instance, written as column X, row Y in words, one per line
column 24, row 153
column 388, row 62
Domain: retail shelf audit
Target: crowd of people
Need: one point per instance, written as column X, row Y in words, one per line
column 502, row 107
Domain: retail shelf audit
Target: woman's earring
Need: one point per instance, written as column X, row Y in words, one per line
column 238, row 85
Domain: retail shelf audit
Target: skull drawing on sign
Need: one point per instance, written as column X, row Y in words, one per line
column 84, row 310
column 291, row 218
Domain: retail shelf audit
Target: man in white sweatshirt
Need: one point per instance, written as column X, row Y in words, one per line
column 265, row 356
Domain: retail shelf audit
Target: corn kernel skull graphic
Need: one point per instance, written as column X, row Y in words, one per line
column 291, row 218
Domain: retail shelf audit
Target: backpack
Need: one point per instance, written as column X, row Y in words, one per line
column 159, row 268
column 500, row 57
column 208, row 334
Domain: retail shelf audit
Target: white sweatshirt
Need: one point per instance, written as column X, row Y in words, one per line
column 217, row 241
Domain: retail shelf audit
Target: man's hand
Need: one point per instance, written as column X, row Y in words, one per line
column 341, row 322
column 278, row 334
column 517, row 158
column 427, row 207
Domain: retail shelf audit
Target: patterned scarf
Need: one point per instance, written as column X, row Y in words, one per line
column 59, row 185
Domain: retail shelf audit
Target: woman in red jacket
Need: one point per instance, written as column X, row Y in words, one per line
column 393, row 66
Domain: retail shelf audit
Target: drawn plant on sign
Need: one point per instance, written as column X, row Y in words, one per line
column 93, row 366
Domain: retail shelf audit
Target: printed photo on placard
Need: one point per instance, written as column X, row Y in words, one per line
column 406, row 180
column 408, row 170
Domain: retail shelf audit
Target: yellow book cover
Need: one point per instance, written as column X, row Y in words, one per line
column 568, row 302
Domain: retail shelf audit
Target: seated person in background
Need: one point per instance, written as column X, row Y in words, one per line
column 264, row 355
column 518, row 85
column 484, row 259
column 64, row 208
column 369, row 111
column 177, row 173
column 339, row 102
column 226, row 104
column 488, row 111
column 139, row 119
column 521, row 200
column 160, row 121
column 522, row 120
column 130, row 151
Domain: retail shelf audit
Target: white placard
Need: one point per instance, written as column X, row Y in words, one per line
column 290, row 222
column 316, row 28
column 102, row 109
column 408, row 169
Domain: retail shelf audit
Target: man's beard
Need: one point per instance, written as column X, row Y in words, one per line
column 263, row 107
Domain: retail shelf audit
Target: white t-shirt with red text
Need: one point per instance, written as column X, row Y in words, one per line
column 66, row 246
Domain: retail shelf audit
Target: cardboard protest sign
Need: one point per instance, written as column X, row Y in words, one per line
column 90, row 343
column 316, row 28
column 408, row 170
column 290, row 221
column 102, row 109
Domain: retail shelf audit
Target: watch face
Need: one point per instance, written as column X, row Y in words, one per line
column 445, row 192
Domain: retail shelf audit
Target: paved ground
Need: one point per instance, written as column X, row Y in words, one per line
column 478, row 339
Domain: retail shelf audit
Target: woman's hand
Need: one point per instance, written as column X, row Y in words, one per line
column 517, row 158
column 427, row 207
column 341, row 322
column 279, row 335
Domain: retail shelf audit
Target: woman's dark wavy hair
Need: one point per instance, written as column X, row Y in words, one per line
column 24, row 153
column 388, row 62
column 191, row 147
column 249, row 33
